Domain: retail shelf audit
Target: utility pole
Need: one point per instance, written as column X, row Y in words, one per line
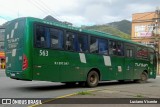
column 157, row 34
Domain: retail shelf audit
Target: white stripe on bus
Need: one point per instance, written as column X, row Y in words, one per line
column 6, row 59
column 16, row 26
column 82, row 57
column 14, row 52
column 8, row 36
column 12, row 33
column 107, row 60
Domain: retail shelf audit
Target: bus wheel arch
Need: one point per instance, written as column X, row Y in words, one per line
column 93, row 77
column 143, row 77
column 145, row 72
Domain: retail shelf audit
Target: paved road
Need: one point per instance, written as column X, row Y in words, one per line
column 39, row 89
column 33, row 89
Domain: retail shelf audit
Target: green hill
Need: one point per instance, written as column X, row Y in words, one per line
column 119, row 28
column 109, row 29
column 124, row 26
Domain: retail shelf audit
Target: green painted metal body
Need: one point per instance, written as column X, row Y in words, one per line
column 61, row 65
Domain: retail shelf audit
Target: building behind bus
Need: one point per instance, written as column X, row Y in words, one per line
column 145, row 30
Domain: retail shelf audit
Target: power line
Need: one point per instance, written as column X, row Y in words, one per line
column 42, row 8
column 37, row 6
column 49, row 9
column 45, row 8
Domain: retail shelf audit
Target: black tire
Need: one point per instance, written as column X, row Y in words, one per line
column 92, row 79
column 121, row 81
column 143, row 78
column 82, row 84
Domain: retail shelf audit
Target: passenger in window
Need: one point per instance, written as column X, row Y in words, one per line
column 114, row 49
column 68, row 45
column 68, row 42
column 119, row 50
column 80, row 48
column 43, row 42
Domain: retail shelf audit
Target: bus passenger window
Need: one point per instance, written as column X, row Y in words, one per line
column 83, row 43
column 116, row 48
column 103, row 46
column 42, row 37
column 112, row 48
column 120, row 50
column 68, row 42
column 72, row 42
column 56, row 38
column 129, row 53
column 94, row 45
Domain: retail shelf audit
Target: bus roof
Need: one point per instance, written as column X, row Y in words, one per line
column 92, row 32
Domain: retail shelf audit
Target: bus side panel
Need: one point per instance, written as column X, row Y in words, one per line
column 46, row 64
column 97, row 62
column 129, row 68
column 71, row 69
column 117, row 68
column 140, row 66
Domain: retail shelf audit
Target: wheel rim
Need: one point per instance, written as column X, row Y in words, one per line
column 143, row 77
column 93, row 79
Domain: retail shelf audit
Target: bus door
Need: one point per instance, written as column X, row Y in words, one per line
column 129, row 62
column 116, row 50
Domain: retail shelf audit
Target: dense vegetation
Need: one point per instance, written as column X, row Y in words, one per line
column 109, row 29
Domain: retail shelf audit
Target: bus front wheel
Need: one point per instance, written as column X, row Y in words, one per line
column 92, row 79
column 143, row 78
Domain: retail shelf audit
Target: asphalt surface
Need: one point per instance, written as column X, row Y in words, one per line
column 107, row 91
column 10, row 88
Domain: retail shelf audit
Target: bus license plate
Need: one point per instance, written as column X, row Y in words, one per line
column 13, row 75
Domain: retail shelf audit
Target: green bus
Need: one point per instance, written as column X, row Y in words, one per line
column 50, row 51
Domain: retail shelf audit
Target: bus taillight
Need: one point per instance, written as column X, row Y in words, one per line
column 25, row 62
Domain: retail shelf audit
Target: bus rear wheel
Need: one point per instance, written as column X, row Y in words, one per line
column 92, row 79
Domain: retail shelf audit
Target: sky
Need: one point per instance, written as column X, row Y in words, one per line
column 78, row 12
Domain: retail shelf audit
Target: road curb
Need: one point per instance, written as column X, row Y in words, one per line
column 64, row 96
